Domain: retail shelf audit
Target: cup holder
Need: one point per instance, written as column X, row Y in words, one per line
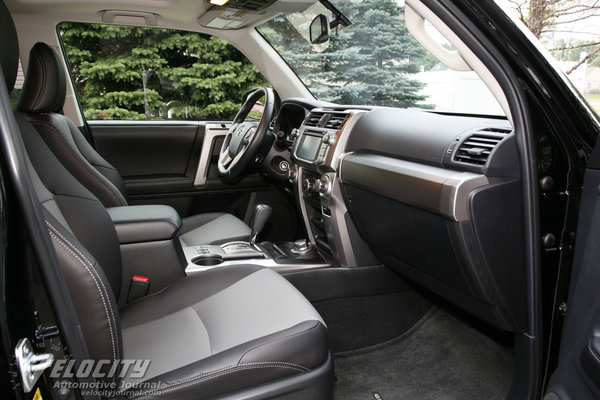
column 208, row 261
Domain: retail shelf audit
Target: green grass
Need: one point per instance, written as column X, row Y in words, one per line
column 594, row 100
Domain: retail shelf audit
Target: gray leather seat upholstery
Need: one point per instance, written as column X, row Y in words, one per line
column 42, row 99
column 239, row 332
column 238, row 327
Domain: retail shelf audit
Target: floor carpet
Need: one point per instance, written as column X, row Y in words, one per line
column 439, row 358
column 358, row 322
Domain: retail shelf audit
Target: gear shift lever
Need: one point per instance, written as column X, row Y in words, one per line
column 260, row 216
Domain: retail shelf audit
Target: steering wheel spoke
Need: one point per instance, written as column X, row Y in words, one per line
column 226, row 159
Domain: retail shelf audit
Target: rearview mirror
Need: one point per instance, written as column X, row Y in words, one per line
column 319, row 29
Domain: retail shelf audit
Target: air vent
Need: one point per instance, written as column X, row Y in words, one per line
column 476, row 149
column 336, row 121
column 503, row 131
column 314, row 118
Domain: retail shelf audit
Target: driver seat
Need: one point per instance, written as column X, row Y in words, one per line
column 42, row 99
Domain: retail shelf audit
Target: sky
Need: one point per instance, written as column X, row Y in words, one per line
column 588, row 29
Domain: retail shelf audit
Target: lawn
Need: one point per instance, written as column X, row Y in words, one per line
column 594, row 100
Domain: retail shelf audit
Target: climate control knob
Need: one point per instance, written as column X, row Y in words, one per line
column 323, row 187
column 328, row 138
column 306, row 185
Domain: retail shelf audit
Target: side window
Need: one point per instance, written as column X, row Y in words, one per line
column 138, row 73
column 14, row 95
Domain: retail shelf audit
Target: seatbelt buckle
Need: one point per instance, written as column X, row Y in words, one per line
column 138, row 287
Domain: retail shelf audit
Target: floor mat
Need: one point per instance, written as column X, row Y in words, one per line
column 440, row 358
column 358, row 322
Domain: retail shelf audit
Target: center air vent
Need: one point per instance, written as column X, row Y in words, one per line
column 477, row 149
column 314, row 118
column 336, row 121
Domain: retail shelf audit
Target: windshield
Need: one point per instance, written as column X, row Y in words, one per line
column 374, row 61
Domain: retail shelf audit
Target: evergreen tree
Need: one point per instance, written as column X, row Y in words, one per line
column 369, row 62
column 124, row 72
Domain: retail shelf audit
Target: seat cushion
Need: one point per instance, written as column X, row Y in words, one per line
column 223, row 330
column 212, row 228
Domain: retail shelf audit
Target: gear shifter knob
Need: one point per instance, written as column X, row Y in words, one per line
column 260, row 216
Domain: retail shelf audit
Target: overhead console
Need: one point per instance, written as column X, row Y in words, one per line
column 438, row 198
column 242, row 13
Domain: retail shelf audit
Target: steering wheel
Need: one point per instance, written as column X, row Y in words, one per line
column 244, row 138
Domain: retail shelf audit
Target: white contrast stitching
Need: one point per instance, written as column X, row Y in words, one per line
column 112, row 314
column 102, row 295
column 104, row 180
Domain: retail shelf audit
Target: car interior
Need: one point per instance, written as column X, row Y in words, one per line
column 321, row 250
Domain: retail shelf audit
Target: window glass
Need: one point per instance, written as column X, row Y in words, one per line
column 138, row 73
column 14, row 95
column 256, row 111
column 375, row 61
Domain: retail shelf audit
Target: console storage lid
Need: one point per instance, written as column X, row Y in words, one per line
column 148, row 223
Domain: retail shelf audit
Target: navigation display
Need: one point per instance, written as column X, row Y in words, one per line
column 309, row 147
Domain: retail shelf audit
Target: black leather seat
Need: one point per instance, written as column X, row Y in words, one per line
column 240, row 332
column 42, row 99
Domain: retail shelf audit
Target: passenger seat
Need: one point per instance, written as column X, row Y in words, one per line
column 238, row 332
column 42, row 99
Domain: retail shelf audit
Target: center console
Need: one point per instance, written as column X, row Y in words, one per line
column 282, row 257
column 319, row 145
column 151, row 254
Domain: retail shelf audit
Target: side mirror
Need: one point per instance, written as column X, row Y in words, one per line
column 319, row 29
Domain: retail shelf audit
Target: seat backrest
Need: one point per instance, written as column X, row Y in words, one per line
column 78, row 224
column 42, row 99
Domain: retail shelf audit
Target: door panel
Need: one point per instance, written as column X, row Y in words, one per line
column 578, row 372
column 142, row 149
column 175, row 163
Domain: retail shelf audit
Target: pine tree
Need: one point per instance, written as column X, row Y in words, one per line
column 369, row 62
column 124, row 72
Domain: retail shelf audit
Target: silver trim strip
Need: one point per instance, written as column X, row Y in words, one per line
column 302, row 205
column 268, row 263
column 210, row 134
column 191, row 253
column 442, row 191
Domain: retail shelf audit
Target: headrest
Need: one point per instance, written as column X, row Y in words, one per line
column 9, row 47
column 45, row 85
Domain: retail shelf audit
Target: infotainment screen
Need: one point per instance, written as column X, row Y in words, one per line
column 309, row 147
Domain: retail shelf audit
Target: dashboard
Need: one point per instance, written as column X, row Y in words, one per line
column 436, row 197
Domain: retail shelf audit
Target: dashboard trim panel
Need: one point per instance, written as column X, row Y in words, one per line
column 441, row 191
